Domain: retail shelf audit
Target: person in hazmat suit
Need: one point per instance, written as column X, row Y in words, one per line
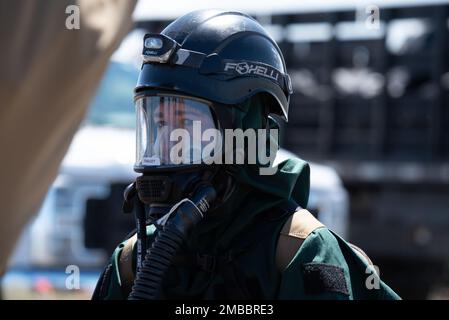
column 215, row 219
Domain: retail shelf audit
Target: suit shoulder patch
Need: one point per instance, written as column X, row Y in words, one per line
column 321, row 278
column 301, row 224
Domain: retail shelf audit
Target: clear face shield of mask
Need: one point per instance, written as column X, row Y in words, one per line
column 175, row 131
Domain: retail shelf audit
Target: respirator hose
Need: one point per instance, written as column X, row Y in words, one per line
column 167, row 242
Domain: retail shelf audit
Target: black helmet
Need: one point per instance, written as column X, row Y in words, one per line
column 225, row 57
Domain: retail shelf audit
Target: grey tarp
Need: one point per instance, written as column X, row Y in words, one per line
column 48, row 75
